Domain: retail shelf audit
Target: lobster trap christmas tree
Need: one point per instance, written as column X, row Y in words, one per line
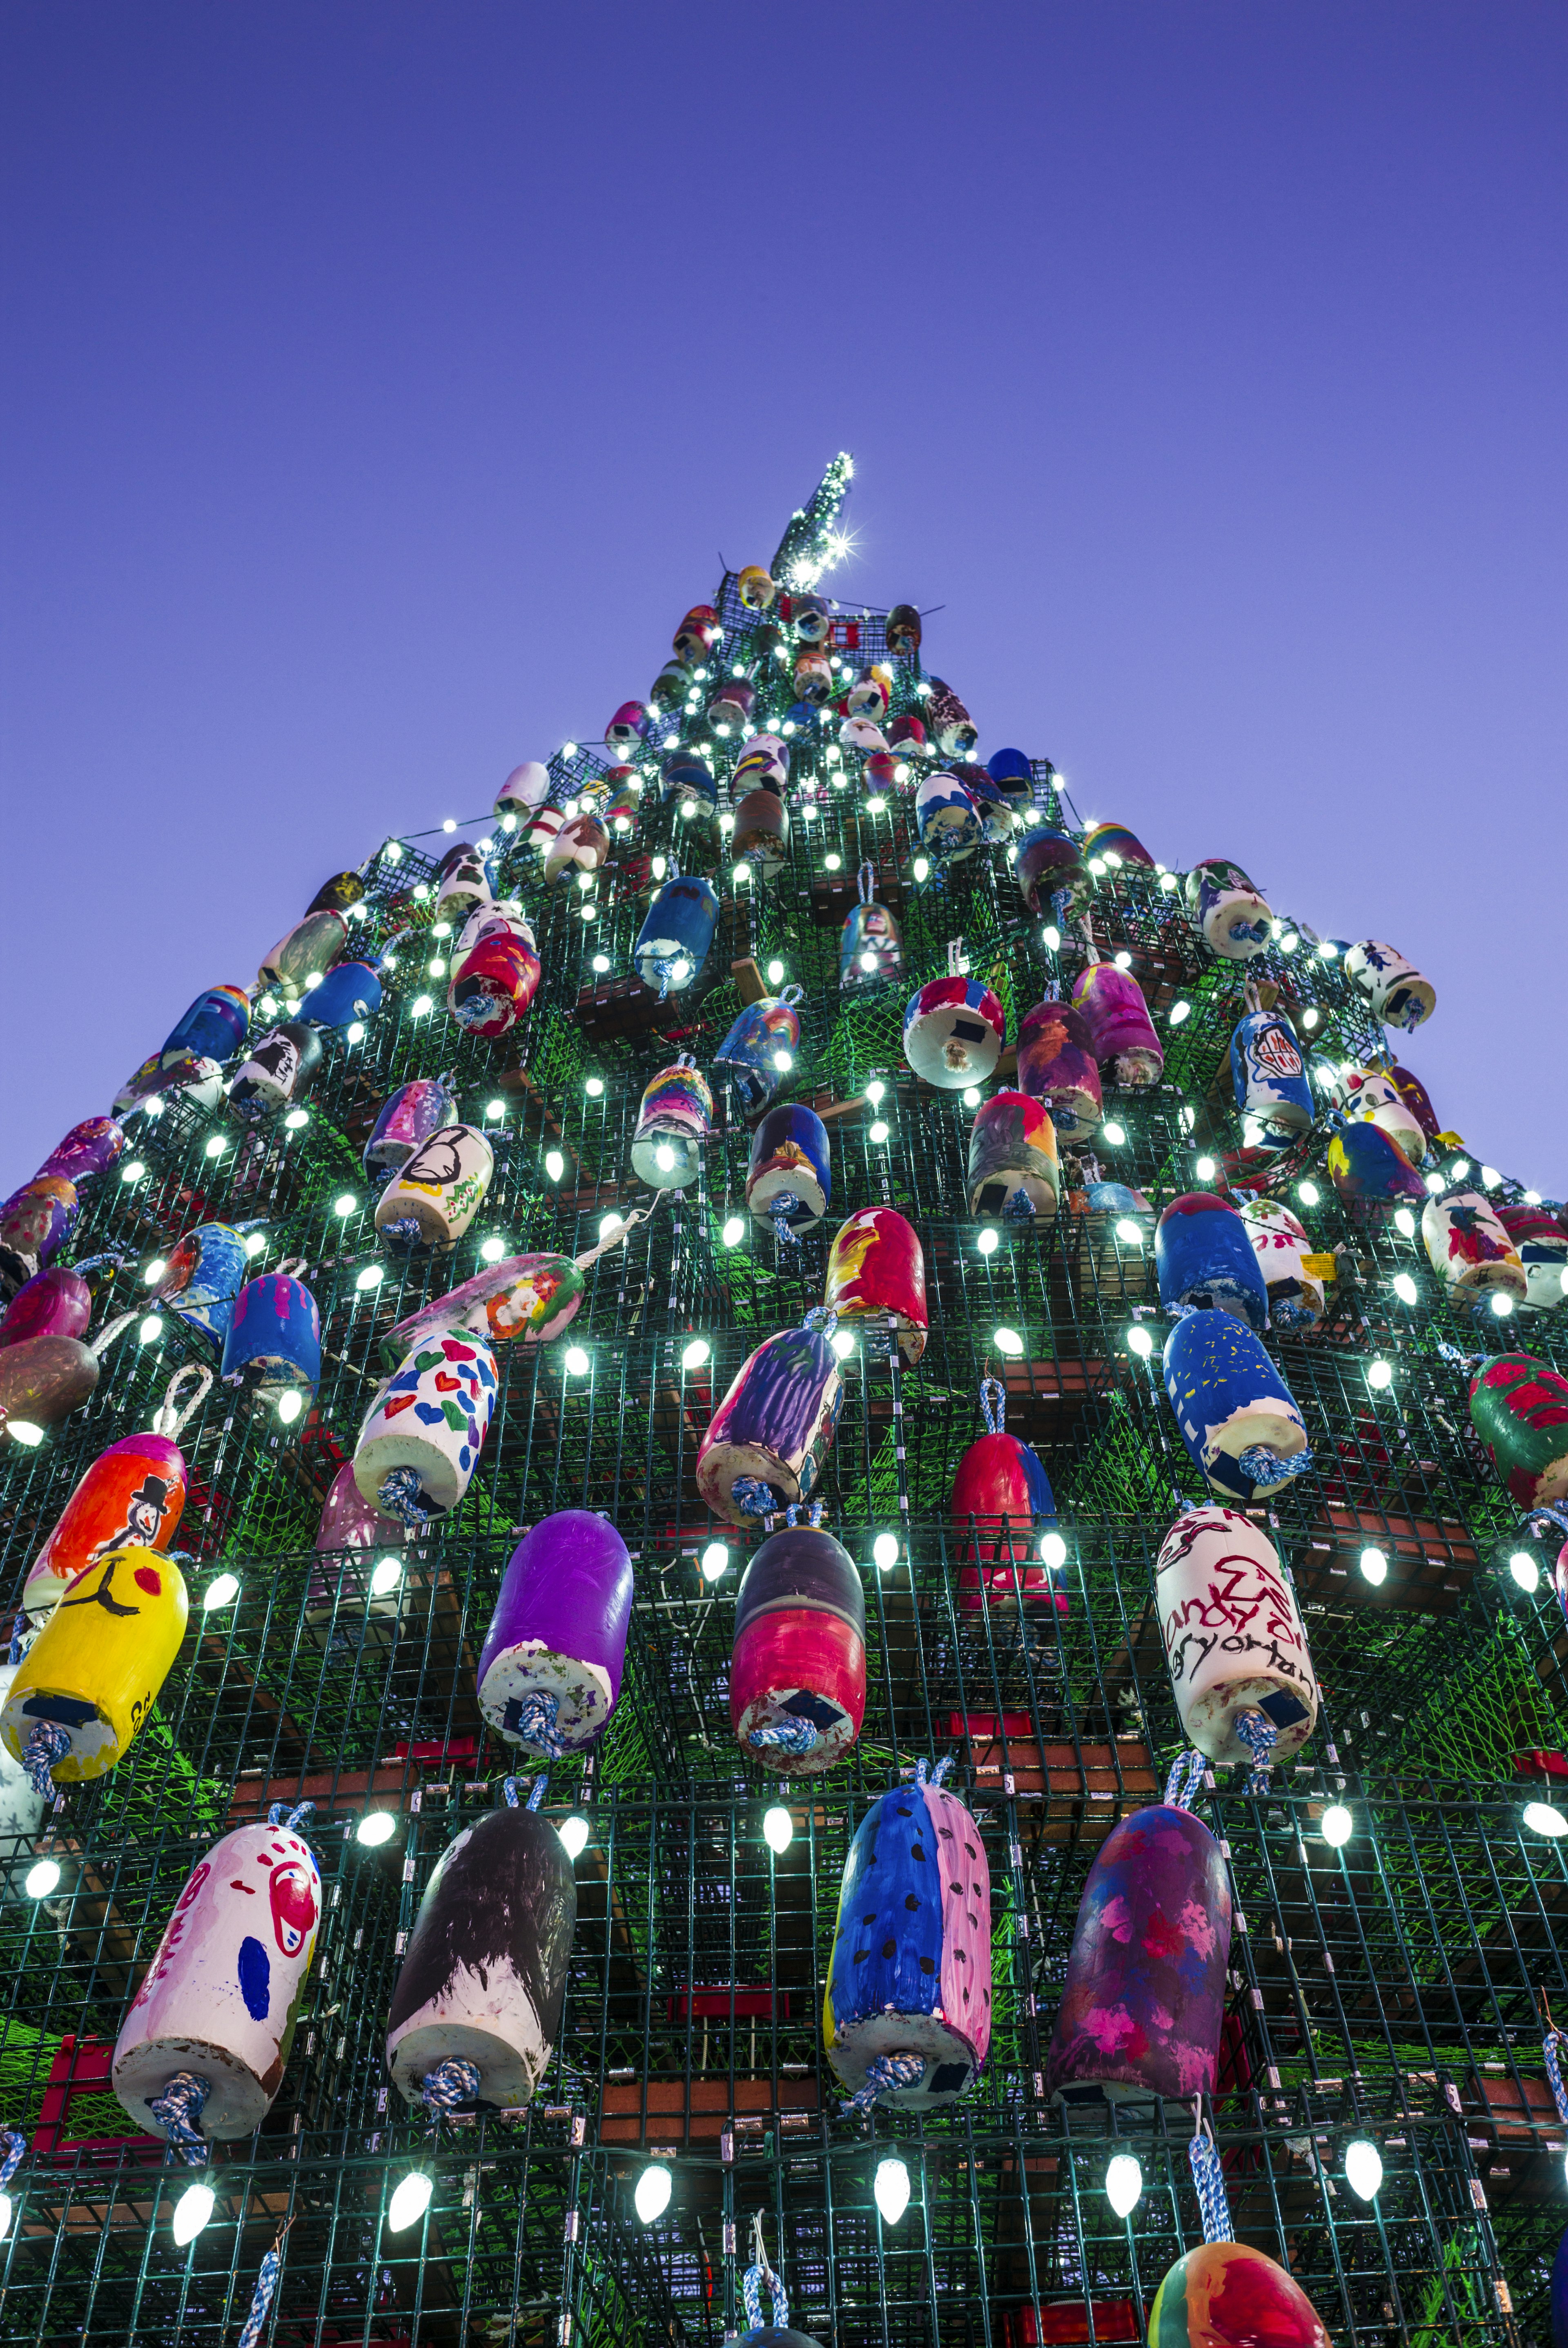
column 783, row 1558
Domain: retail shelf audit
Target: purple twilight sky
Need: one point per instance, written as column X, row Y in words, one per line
column 379, row 383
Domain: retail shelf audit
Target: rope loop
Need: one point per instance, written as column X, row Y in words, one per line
column 1209, row 2178
column 171, row 1415
column 796, row 1736
column 1259, row 1734
column 1186, row 1775
column 887, row 2075
column 1262, row 1466
column 864, row 882
column 449, row 2087
column 177, row 2110
column 531, row 1719
column 280, row 1814
column 758, row 2273
column 47, row 1743
column 822, row 1319
column 16, row 2145
column 1551, row 2057
column 994, row 1404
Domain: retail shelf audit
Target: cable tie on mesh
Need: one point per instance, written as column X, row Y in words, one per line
column 887, row 2075
column 177, row 2110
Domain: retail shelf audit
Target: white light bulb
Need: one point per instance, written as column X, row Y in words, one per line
column 492, row 1249
column 385, row 1576
column 150, row 1330
column 290, row 1405
column 1501, row 1303
column 1338, row 1826
column 921, row 868
column 843, row 1343
column 221, row 1591
column 891, row 2188
column 1327, row 950
column 778, row 1830
column 295, row 1119
column 1309, row 1017
column 1115, row 1134
column 1543, row 1819
column 1205, row 1169
column 695, row 1354
column 879, row 1133
column 715, row 1561
column 1380, row 1374
column 191, row 2212
column 971, row 1096
column 601, row 963
column 784, row 1062
column 1053, row 1550
column 418, row 1008
column 1363, row 2169
column 1123, row 2184
column 733, row 1233
column 4, row 2215
column 680, row 970
column 555, row 1164
column 133, row 1172
column 1460, row 1168
column 1404, row 1222
column 1128, row 1233
column 410, row 2199
column 1525, row 1571
column 1140, row 1342
column 155, row 1271
column 1051, row 937
column 875, row 1090
column 1404, row 1288
column 1308, row 1193
column 741, row 875
column 1374, row 1566
column 885, row 1552
column 255, row 1243
column 22, row 1431
column 375, row 1827
column 1179, row 1011
column 1007, row 1341
column 575, row 1361
column 776, row 974
column 573, row 1833
column 372, row 1276
column 1124, row 961
column 987, row 1241
column 664, row 1158
column 655, row 2187
column 1435, row 1183
column 43, row 1877
column 593, row 1086
column 345, row 1205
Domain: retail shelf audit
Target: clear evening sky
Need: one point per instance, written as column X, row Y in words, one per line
column 380, row 385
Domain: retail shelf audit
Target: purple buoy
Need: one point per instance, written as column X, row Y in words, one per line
column 1145, row 1991
column 549, row 1671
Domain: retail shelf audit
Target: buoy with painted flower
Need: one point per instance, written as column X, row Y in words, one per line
column 1234, row 1641
column 877, row 1276
column 91, row 1677
column 1237, row 1419
column 907, row 2018
column 798, row 1673
column 1204, row 1256
column 1468, row 1249
column 768, row 1441
column 421, row 1440
column 1398, row 995
column 672, row 1126
column 1014, row 1170
column 549, row 1670
column 954, row 1030
column 224, row 1991
column 1228, row 914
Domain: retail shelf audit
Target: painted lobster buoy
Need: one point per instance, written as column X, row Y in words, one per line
column 1418, row 1100
column 485, row 1976
column 1204, row 1255
column 1372, row 1093
column 215, row 1026
column 1468, row 1249
column 1050, row 871
column 954, row 1030
column 529, row 786
column 1110, row 1001
column 763, row 765
column 797, row 1673
column 405, row 1121
column 954, row 728
column 627, row 730
column 761, row 831
column 34, row 1224
column 1012, row 772
column 1541, row 1241
column 495, row 971
column 312, row 945
column 729, row 710
column 205, row 1271
column 685, row 778
column 1056, row 1065
column 814, row 676
column 756, row 589
column 274, row 1344
column 671, row 686
column 181, row 1071
column 92, row 1675
column 1285, row 1258
column 624, row 804
column 869, row 946
column 522, row 1300
column 947, row 818
column 1015, row 1174
column 90, row 1149
column 1519, row 1407
column 22, row 1806
column 1228, row 2295
column 435, row 1195
column 1398, row 995
column 906, row 2017
column 463, row 882
column 420, row 1444
column 1143, row 2003
column 53, row 1303
column 1115, row 846
column 789, row 1179
column 544, row 827
column 1236, row 1414
column 44, row 1379
column 279, row 1067
column 337, row 893
column 1228, row 914
column 698, row 633
column 1002, row 1500
column 999, row 818
column 349, row 1521
column 132, row 1496
column 672, row 1126
column 877, row 1273
column 748, row 1058
column 350, row 991
column 1268, row 1076
column 906, row 737
column 1367, row 1167
column 1234, row 1640
column 677, row 933
column 769, row 1439
column 549, row 1670
column 867, row 696
column 903, row 630
column 224, row 1991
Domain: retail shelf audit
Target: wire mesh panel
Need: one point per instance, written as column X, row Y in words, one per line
column 1397, row 1887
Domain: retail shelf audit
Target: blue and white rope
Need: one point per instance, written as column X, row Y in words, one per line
column 532, row 1722
column 1260, row 1464
column 781, row 1207
column 47, row 1743
column 1553, row 2062
column 450, row 2086
column 994, row 1405
column 293, row 1821
column 785, row 1737
column 754, row 1498
column 927, row 1772
column 511, row 1789
column 1209, row 2178
column 1186, row 1775
column 884, row 2076
column 402, row 1496
column 176, row 2111
column 752, row 2294
column 15, row 2146
column 271, row 2268
column 1260, row 1737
